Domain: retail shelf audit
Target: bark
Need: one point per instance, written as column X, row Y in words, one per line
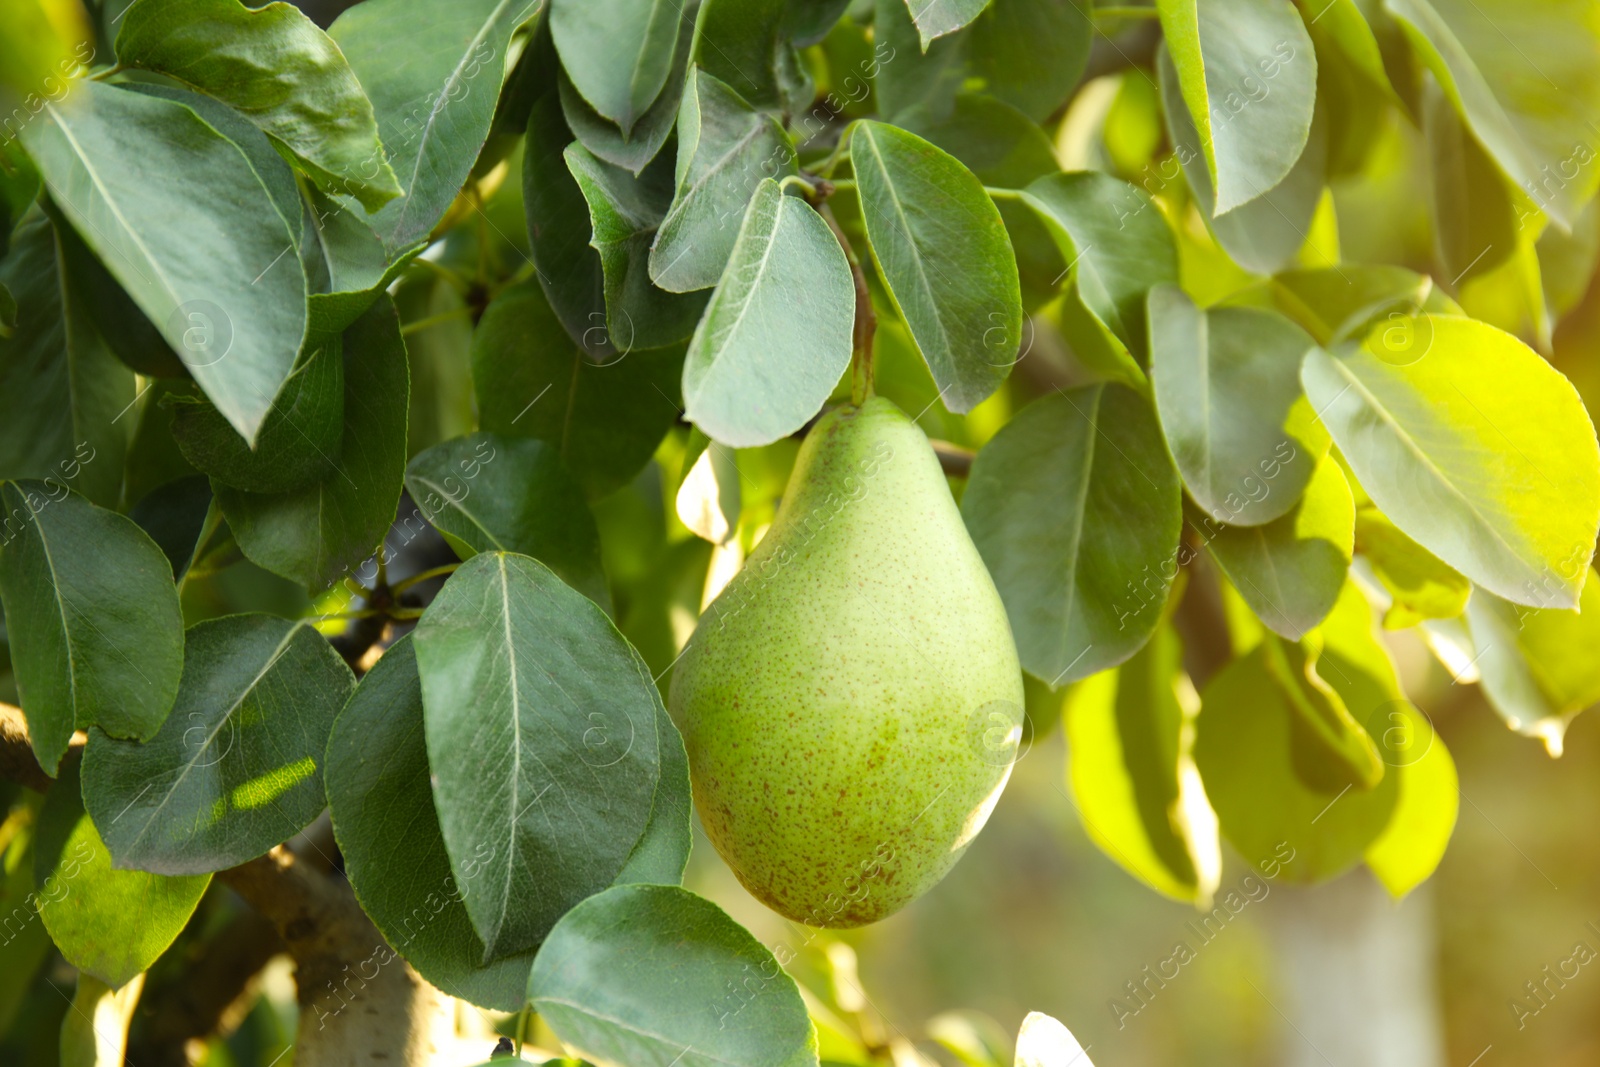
column 1359, row 972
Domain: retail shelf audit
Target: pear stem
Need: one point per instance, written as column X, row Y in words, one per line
column 866, row 322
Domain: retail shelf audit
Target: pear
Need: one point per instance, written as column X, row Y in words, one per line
column 852, row 701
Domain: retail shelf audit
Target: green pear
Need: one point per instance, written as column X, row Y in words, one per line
column 852, row 701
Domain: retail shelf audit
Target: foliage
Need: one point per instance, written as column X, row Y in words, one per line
column 279, row 305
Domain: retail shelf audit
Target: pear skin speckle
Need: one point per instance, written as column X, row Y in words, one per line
column 852, row 701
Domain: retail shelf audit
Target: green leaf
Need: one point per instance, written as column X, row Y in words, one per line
column 936, row 18
column 488, row 493
column 1421, row 587
column 745, row 45
column 113, row 924
column 635, row 149
column 776, row 335
column 1030, row 53
column 569, row 268
column 388, row 833
column 942, row 249
column 1119, row 245
column 8, row 313
column 1004, row 148
column 299, row 440
column 1243, row 747
column 434, row 109
column 276, row 67
column 606, row 420
column 179, row 517
column 1329, row 749
column 95, row 633
column 1248, row 78
column 225, row 288
column 1076, row 510
column 1265, row 234
column 907, row 75
column 1432, row 414
column 346, row 262
column 617, row 52
column 625, row 214
column 1130, row 733
column 649, row 975
column 1227, row 387
column 313, row 534
column 1290, row 570
column 237, row 766
column 1411, row 846
column 1525, row 80
column 520, row 674
column 1537, row 665
column 662, row 852
column 62, row 393
column 998, row 143
column 1474, row 223
column 726, row 148
column 1333, row 304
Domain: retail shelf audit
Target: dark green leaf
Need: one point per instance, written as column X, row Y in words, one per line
column 275, row 66
column 1076, row 509
column 63, row 396
column 112, row 924
column 635, row 150
column 314, row 534
column 1227, row 386
column 345, row 261
column 434, row 109
column 617, row 52
column 95, row 632
column 529, row 689
column 225, row 288
column 606, row 420
column 652, row 975
column 488, row 493
column 299, row 440
column 744, row 43
column 1247, row 76
column 907, row 75
column 1118, row 243
column 569, row 268
column 116, row 319
column 998, row 143
column 1030, row 53
column 725, row 149
column 1129, row 741
column 1432, row 412
column 625, row 213
column 776, row 336
column 388, row 832
column 271, row 169
column 176, row 517
column 1291, row 569
column 1474, row 222
column 942, row 248
column 237, row 767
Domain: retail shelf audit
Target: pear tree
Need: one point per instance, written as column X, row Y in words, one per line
column 450, row 449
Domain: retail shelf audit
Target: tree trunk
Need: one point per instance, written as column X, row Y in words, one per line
column 1358, row 976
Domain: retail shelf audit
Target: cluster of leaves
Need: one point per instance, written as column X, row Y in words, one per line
column 476, row 265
